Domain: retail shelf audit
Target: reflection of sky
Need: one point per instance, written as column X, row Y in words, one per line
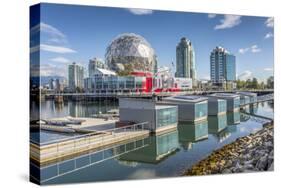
column 49, row 109
column 265, row 109
column 170, row 166
column 142, row 174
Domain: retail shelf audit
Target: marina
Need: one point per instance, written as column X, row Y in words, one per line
column 142, row 98
column 101, row 143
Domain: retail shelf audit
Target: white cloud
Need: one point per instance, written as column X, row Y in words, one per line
column 212, row 15
column 138, row 11
column 54, row 35
column 52, row 70
column 34, row 49
column 228, row 21
column 243, row 50
column 51, row 48
column 253, row 49
column 268, row 69
column 245, row 75
column 60, row 60
column 268, row 35
column 269, row 22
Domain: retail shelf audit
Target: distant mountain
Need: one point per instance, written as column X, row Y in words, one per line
column 45, row 79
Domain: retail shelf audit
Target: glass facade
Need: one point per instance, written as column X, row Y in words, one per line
column 221, row 106
column 222, row 122
column 166, row 116
column 233, row 118
column 75, row 76
column 167, row 142
column 217, row 68
column 112, row 83
column 201, row 129
column 222, row 66
column 236, row 102
column 201, row 110
column 244, row 100
column 185, row 57
column 253, row 99
column 230, row 67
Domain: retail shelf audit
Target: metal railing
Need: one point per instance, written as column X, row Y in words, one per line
column 131, row 93
column 65, row 146
column 128, row 128
column 92, row 159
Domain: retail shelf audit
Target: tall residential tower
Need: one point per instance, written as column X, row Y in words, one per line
column 223, row 66
column 75, row 76
column 93, row 65
column 185, row 57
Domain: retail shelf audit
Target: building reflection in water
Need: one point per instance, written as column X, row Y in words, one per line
column 244, row 117
column 161, row 146
column 270, row 104
column 189, row 133
column 218, row 127
column 217, row 123
column 233, row 118
column 82, row 109
column 254, row 108
column 246, row 109
column 59, row 106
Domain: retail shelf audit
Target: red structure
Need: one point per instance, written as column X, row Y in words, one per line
column 147, row 84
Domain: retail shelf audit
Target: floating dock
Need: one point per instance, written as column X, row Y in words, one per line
column 98, row 136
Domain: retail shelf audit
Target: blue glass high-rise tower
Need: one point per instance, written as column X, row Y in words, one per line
column 185, row 56
column 223, row 66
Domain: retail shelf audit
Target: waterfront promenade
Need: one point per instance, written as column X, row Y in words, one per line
column 146, row 95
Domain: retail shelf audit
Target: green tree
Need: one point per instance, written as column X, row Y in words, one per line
column 248, row 84
column 254, row 83
column 270, row 82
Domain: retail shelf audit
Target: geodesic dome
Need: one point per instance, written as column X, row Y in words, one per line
column 131, row 52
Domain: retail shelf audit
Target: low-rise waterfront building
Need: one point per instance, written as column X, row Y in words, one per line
column 159, row 117
column 106, row 81
column 244, row 100
column 216, row 106
column 233, row 100
column 252, row 97
column 190, row 108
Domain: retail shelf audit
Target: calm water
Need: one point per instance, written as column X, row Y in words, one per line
column 165, row 155
column 49, row 109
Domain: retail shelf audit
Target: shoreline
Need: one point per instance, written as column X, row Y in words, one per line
column 252, row 153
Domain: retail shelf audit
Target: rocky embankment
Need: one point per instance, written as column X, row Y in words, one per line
column 247, row 154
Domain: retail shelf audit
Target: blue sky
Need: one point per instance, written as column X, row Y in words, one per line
column 79, row 33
